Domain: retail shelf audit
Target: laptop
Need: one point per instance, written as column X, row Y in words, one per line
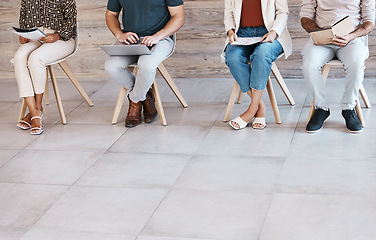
column 122, row 49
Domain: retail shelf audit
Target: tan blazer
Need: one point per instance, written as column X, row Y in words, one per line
column 274, row 13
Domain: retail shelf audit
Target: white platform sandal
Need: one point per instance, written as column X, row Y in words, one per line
column 26, row 125
column 259, row 120
column 37, row 130
column 240, row 123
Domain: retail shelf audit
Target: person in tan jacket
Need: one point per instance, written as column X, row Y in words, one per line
column 264, row 19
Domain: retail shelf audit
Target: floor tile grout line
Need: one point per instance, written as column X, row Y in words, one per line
column 160, row 203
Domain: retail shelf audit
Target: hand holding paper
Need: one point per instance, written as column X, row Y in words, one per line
column 32, row 33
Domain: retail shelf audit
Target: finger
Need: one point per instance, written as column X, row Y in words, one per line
column 135, row 36
column 131, row 39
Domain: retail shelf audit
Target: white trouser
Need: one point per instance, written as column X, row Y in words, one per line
column 352, row 56
column 116, row 67
column 30, row 63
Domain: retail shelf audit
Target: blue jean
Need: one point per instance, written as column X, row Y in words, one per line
column 261, row 56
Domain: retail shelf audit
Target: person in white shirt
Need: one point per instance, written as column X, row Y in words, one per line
column 350, row 49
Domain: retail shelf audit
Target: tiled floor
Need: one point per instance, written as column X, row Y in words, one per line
column 195, row 179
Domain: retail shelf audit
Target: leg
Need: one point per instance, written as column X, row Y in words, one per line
column 147, row 68
column 24, row 81
column 314, row 58
column 43, row 56
column 237, row 59
column 116, row 67
column 352, row 56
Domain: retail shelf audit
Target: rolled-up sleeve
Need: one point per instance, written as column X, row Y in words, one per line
column 68, row 25
column 308, row 9
column 367, row 8
column 281, row 14
column 229, row 19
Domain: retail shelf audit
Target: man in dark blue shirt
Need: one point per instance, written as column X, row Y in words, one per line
column 155, row 21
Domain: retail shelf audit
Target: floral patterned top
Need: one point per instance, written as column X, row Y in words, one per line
column 59, row 15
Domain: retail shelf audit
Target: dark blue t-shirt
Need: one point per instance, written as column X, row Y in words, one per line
column 144, row 17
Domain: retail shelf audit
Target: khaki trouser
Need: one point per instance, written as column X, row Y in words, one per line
column 30, row 63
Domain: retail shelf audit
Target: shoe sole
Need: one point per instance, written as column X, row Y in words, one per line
column 315, row 131
column 350, row 131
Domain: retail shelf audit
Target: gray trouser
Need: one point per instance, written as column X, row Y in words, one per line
column 352, row 56
column 138, row 86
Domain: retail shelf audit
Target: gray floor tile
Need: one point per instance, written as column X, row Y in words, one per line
column 328, row 176
column 247, row 142
column 6, row 155
column 229, row 173
column 135, row 170
column 105, row 210
column 196, row 114
column 76, row 137
column 213, row 215
column 168, row 238
column 5, row 105
column 22, row 205
column 161, row 139
column 333, row 143
column 15, row 137
column 46, row 234
column 47, row 167
column 324, row 217
column 9, row 91
column 11, row 233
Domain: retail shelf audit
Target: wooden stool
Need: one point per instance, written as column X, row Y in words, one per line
column 237, row 93
column 157, row 97
column 325, row 72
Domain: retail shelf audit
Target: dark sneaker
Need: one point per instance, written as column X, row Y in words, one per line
column 353, row 123
column 317, row 120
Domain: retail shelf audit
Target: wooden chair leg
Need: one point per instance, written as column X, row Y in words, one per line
column 273, row 101
column 231, row 101
column 23, row 109
column 119, row 104
column 240, row 97
column 358, row 110
column 76, row 83
column 171, row 84
column 364, row 96
column 311, row 111
column 47, row 91
column 282, row 84
column 159, row 104
column 57, row 95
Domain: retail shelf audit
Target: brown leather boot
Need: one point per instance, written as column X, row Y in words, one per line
column 134, row 114
column 150, row 113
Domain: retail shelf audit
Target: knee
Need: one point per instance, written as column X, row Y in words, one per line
column 35, row 60
column 233, row 58
column 19, row 58
column 310, row 66
column 146, row 66
column 354, row 63
column 112, row 64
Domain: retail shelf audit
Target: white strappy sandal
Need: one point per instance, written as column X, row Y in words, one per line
column 27, row 125
column 259, row 120
column 240, row 123
column 37, row 130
